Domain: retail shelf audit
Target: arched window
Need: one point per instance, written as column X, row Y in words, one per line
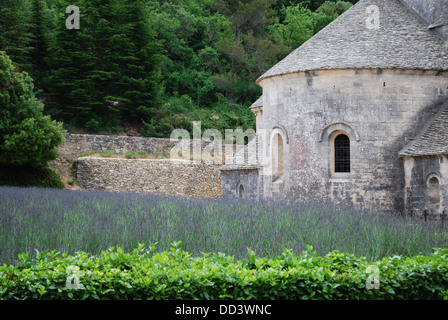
column 342, row 154
column 241, row 191
column 434, row 190
column 277, row 157
column 340, row 141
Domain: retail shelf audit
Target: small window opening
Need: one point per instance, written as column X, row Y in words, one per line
column 342, row 154
column 434, row 190
column 277, row 157
column 241, row 191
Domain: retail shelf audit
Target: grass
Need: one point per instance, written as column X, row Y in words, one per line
column 107, row 153
column 131, row 155
column 69, row 221
column 128, row 155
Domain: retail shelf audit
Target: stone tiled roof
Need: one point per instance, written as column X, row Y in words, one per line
column 402, row 41
column 433, row 140
column 433, row 13
column 258, row 103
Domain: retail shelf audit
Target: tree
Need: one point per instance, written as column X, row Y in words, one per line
column 140, row 77
column 334, row 9
column 313, row 5
column 109, row 69
column 15, row 31
column 248, row 19
column 40, row 40
column 70, row 92
column 328, row 12
column 134, row 62
column 296, row 28
column 298, row 23
column 27, row 137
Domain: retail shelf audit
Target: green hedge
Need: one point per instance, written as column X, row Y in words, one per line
column 175, row 274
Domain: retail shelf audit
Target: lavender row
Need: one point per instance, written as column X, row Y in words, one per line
column 68, row 221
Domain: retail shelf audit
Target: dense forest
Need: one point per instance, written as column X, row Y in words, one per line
column 146, row 67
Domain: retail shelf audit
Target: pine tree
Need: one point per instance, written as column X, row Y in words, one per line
column 71, row 83
column 40, row 19
column 141, row 81
column 15, row 31
column 104, row 26
column 109, row 68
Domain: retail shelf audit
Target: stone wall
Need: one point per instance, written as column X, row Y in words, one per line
column 165, row 176
column 77, row 144
column 418, row 174
column 241, row 184
column 172, row 177
column 380, row 110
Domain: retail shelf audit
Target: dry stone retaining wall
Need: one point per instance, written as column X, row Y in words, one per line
column 170, row 177
column 163, row 176
column 77, row 144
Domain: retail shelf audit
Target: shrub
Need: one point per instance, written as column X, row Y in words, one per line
column 27, row 137
column 29, row 176
column 93, row 125
column 130, row 155
column 107, row 153
column 175, row 274
column 142, row 154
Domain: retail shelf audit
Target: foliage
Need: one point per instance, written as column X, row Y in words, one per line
column 86, row 154
column 137, row 62
column 70, row 90
column 175, row 274
column 130, row 155
column 297, row 27
column 107, row 153
column 93, row 125
column 41, row 18
column 223, row 117
column 70, row 221
column 16, row 31
column 108, row 68
column 29, row 176
column 27, row 137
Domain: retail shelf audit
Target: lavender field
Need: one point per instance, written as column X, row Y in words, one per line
column 68, row 221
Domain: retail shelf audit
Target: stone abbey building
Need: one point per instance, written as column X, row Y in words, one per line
column 357, row 115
